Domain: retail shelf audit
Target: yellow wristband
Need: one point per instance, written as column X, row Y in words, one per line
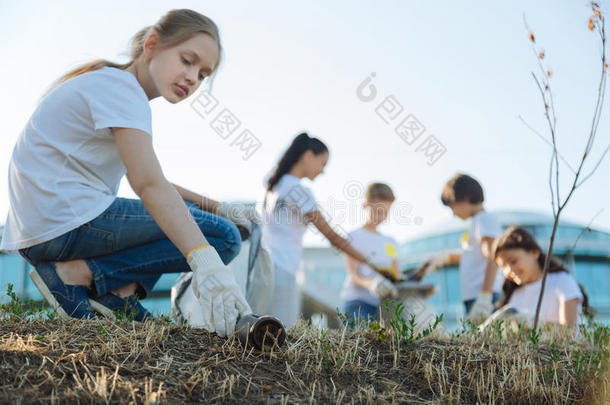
column 200, row 247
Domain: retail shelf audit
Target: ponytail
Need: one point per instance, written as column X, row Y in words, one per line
column 174, row 27
column 301, row 144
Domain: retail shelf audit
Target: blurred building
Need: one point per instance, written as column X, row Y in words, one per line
column 585, row 252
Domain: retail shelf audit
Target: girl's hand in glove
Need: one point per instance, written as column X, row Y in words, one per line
column 481, row 309
column 238, row 214
column 215, row 287
column 382, row 288
column 512, row 318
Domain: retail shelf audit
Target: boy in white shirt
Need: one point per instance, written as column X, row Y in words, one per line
column 364, row 288
column 479, row 279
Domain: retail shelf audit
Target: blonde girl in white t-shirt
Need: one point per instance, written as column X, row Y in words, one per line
column 522, row 261
column 92, row 250
column 288, row 208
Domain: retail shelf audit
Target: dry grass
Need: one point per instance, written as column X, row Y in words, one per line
column 59, row 361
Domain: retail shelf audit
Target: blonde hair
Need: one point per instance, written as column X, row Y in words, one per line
column 174, row 27
column 379, row 191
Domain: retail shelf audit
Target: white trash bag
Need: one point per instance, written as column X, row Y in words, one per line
column 253, row 273
column 414, row 297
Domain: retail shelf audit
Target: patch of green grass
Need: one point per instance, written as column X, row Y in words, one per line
column 406, row 331
column 467, row 329
column 17, row 307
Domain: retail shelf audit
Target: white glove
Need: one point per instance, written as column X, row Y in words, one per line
column 382, row 288
column 524, row 318
column 511, row 317
column 252, row 214
column 238, row 214
column 218, row 294
column 481, row 309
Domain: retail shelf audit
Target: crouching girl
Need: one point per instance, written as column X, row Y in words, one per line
column 92, row 250
column 522, row 261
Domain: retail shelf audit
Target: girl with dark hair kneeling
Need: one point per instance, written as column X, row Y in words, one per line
column 522, row 261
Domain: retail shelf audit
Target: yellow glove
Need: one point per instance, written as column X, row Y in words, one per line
column 391, row 273
column 388, row 272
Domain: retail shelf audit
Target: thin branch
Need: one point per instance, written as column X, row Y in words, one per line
column 586, row 228
column 595, row 168
column 547, row 261
column 602, row 82
column 554, row 154
column 600, row 102
column 596, row 114
column 547, row 142
column 545, row 74
column 589, row 145
column 551, row 186
column 548, row 105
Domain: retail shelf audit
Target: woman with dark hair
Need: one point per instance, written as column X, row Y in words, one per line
column 288, row 207
column 522, row 261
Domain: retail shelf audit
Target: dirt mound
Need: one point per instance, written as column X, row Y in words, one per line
column 51, row 361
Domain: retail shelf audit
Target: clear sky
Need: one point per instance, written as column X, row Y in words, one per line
column 461, row 68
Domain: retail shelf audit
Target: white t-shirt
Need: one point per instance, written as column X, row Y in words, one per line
column 65, row 169
column 284, row 222
column 380, row 249
column 560, row 287
column 473, row 263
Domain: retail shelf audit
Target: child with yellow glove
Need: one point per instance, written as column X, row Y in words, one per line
column 364, row 286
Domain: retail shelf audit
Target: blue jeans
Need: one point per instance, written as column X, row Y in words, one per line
column 124, row 245
column 359, row 311
column 495, row 297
